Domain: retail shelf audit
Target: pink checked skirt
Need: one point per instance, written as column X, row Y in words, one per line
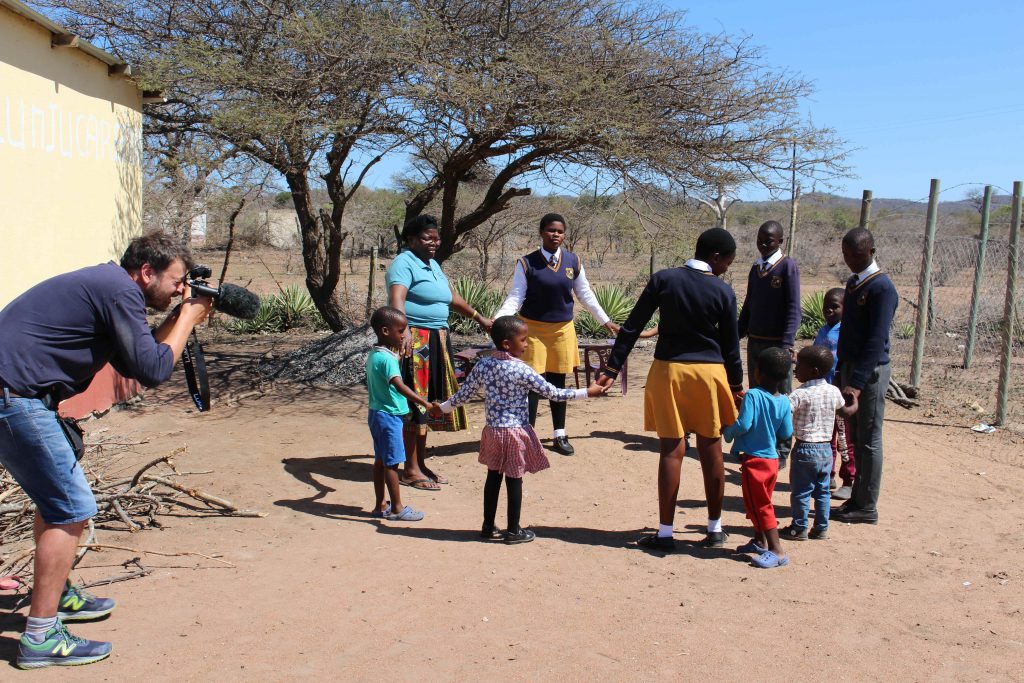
column 512, row 451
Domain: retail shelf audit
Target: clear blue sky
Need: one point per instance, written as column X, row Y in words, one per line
column 923, row 89
column 919, row 89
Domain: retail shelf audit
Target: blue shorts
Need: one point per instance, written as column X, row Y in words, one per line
column 35, row 451
column 388, row 445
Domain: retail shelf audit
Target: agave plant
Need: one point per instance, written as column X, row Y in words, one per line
column 266, row 319
column 813, row 308
column 295, row 308
column 615, row 301
column 477, row 295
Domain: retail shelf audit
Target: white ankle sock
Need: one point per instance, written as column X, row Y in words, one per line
column 664, row 531
column 36, row 628
column 559, row 432
column 714, row 526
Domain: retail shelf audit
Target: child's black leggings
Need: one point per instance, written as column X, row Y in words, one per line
column 514, row 491
column 557, row 407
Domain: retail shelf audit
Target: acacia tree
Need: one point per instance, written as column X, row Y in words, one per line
column 554, row 87
column 302, row 86
column 509, row 91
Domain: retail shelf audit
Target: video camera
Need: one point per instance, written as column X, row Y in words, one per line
column 236, row 301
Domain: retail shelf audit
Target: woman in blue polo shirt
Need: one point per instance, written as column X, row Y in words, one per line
column 418, row 287
column 542, row 288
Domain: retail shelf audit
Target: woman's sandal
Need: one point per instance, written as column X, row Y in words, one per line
column 425, row 484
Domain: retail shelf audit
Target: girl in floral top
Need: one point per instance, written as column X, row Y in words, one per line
column 508, row 445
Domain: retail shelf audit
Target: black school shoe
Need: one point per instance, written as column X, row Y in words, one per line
column 854, row 515
column 491, row 533
column 714, row 539
column 561, row 445
column 793, row 533
column 665, row 544
column 521, row 536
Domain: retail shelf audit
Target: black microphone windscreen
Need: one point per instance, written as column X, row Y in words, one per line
column 238, row 302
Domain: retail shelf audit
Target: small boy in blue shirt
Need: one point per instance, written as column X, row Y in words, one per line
column 842, row 439
column 765, row 418
column 389, row 408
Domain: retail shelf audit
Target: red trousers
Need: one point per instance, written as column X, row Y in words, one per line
column 842, row 451
column 758, row 483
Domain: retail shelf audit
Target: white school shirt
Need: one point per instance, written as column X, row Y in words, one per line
column 774, row 258
column 866, row 273
column 580, row 286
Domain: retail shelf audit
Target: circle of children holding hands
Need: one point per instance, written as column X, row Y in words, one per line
column 695, row 386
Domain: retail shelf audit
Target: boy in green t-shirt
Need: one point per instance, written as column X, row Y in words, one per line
column 388, row 409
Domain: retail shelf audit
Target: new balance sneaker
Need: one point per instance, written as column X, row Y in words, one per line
column 77, row 605
column 60, row 648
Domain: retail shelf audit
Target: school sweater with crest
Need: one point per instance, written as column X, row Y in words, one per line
column 771, row 309
column 868, row 309
column 549, row 287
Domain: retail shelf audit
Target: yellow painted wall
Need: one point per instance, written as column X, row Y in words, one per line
column 70, row 158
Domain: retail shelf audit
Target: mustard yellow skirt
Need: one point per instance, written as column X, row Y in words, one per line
column 551, row 347
column 687, row 397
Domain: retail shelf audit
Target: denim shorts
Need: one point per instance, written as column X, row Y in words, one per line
column 386, row 429
column 35, row 451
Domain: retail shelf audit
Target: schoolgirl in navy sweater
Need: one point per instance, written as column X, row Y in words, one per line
column 696, row 376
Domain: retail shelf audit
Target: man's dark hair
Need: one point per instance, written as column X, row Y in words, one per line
column 715, row 241
column 550, row 218
column 774, row 227
column 818, row 357
column 858, row 237
column 504, row 328
column 414, row 226
column 158, row 249
column 773, row 364
column 836, row 291
column 385, row 316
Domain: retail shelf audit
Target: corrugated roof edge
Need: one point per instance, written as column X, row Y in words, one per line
column 121, row 68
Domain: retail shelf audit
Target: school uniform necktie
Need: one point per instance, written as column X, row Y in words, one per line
column 552, row 261
column 764, row 267
column 852, row 282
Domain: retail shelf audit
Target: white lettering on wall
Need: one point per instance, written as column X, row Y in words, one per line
column 27, row 127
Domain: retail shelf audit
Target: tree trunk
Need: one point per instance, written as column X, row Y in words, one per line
column 316, row 229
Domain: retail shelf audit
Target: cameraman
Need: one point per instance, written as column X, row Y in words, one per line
column 53, row 339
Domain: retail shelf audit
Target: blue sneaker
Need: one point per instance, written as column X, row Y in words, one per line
column 77, row 605
column 60, row 648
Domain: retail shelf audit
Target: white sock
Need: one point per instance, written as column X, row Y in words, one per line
column 664, row 531
column 714, row 526
column 559, row 432
column 36, row 628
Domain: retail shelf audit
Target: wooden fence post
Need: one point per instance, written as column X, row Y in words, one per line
column 1010, row 311
column 979, row 269
column 865, row 209
column 925, row 286
column 372, row 282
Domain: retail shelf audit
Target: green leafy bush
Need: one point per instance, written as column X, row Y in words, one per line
column 477, row 295
column 813, row 308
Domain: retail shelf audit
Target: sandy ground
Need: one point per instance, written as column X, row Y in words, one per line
column 318, row 590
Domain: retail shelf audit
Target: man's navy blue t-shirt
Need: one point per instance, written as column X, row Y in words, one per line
column 56, row 336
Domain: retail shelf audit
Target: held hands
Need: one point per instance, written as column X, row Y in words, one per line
column 852, row 403
column 603, row 380
column 484, row 322
column 612, row 327
column 435, row 410
column 597, row 389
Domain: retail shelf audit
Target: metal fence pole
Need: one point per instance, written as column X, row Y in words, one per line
column 865, row 209
column 924, row 290
column 979, row 270
column 1010, row 312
